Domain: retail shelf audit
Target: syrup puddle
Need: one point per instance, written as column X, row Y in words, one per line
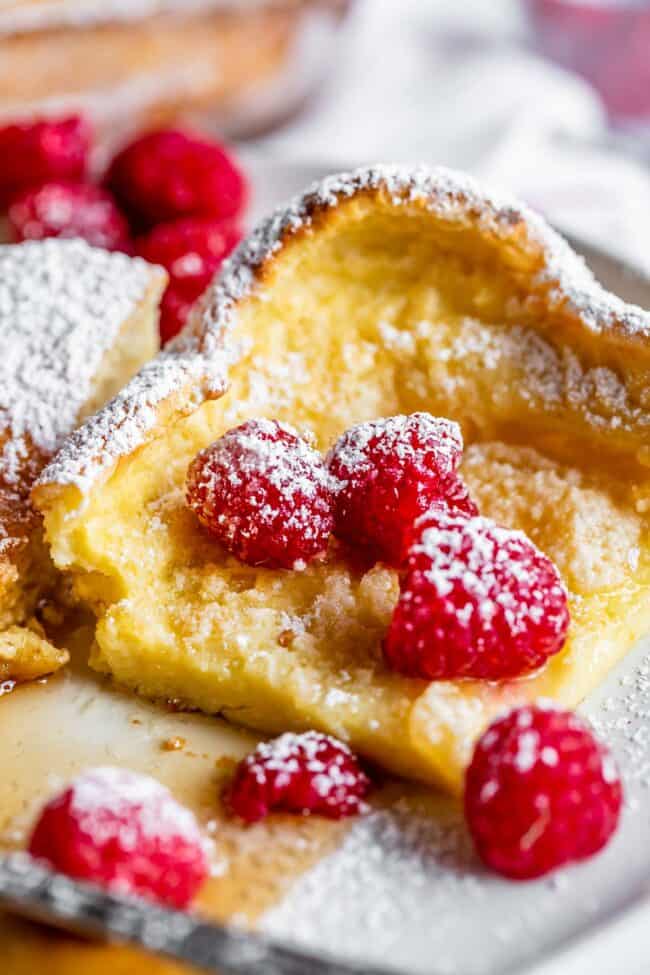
column 52, row 730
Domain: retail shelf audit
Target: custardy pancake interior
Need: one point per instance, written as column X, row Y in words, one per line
column 380, row 309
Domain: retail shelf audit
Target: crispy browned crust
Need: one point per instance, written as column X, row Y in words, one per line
column 195, row 366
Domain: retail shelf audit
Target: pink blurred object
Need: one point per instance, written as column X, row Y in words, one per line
column 605, row 41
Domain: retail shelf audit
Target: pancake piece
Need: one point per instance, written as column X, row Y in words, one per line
column 75, row 324
column 382, row 291
column 129, row 64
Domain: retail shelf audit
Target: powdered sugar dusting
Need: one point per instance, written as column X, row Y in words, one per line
column 132, row 414
column 62, row 304
column 197, row 362
column 304, row 773
column 405, row 888
column 528, row 751
column 476, row 553
column 552, row 377
column 120, row 793
column 330, row 777
column 456, row 198
column 291, row 752
column 264, row 493
column 254, row 449
column 408, row 439
column 62, row 307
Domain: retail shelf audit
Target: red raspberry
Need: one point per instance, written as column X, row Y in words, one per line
column 308, row 773
column 125, row 832
column 540, row 792
column 168, row 174
column 59, row 209
column 35, row 151
column 389, row 473
column 264, row 494
column 174, row 312
column 192, row 250
column 477, row 600
column 457, row 500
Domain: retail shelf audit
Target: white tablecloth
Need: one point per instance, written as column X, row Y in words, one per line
column 453, row 82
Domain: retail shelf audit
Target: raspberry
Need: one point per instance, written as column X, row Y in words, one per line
column 308, row 773
column 477, row 600
column 168, row 174
column 192, row 250
column 174, row 312
column 264, row 494
column 35, row 151
column 125, row 832
column 389, row 472
column 457, row 500
column 58, row 209
column 540, row 791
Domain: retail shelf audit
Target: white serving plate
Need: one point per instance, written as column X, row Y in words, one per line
column 404, row 890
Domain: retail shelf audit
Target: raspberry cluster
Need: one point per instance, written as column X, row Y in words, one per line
column 191, row 249
column 476, row 600
column 170, row 196
column 388, row 473
column 272, row 500
column 66, row 209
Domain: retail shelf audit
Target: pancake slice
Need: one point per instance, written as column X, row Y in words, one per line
column 382, row 291
column 75, row 324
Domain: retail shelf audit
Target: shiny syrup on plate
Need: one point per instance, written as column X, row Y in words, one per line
column 52, row 729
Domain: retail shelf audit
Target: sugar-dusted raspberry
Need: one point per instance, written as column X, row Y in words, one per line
column 39, row 150
column 456, row 499
column 540, row 791
column 168, row 174
column 264, row 493
column 306, row 773
column 192, row 250
column 477, row 600
column 389, row 472
column 125, row 832
column 61, row 209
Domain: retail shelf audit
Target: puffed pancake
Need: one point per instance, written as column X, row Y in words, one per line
column 75, row 324
column 130, row 63
column 383, row 291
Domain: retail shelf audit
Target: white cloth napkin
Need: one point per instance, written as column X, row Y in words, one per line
column 454, row 82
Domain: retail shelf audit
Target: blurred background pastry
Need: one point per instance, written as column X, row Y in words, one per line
column 246, row 63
